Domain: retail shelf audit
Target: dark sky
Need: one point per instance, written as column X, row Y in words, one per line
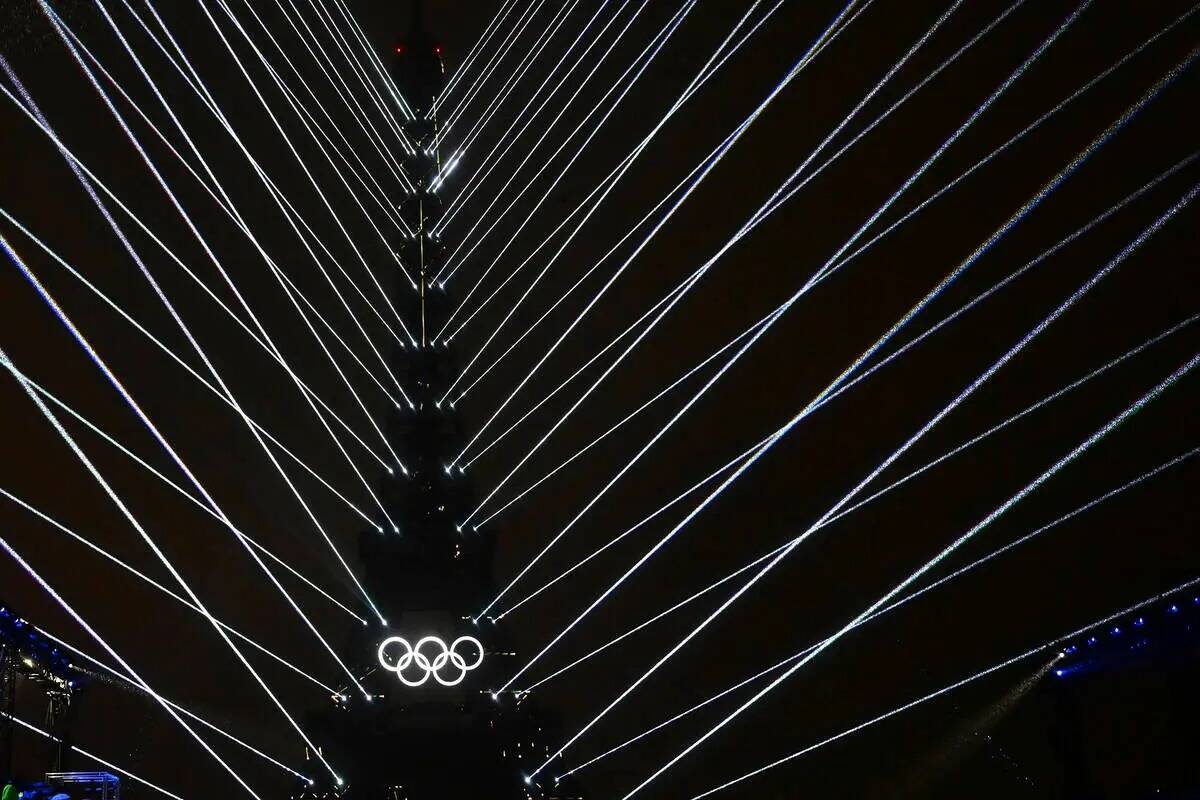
column 1004, row 737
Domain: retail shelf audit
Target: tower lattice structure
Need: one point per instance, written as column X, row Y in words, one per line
column 429, row 578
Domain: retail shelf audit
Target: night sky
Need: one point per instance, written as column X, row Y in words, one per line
column 1120, row 732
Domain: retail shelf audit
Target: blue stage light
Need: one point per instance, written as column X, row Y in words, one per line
column 1091, row 640
column 1116, row 631
column 1174, row 609
column 1058, row 672
column 1139, row 622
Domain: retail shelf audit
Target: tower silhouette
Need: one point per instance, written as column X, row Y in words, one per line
column 430, row 577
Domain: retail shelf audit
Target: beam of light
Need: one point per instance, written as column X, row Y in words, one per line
column 373, row 58
column 379, row 193
column 288, row 287
column 187, row 367
column 372, row 92
column 876, row 495
column 8, row 548
column 1111, row 364
column 894, row 605
column 920, row 207
column 900, row 351
column 664, row 37
column 1023, row 211
column 446, row 171
column 96, row 429
column 457, row 257
column 850, row 509
column 142, row 267
column 961, row 397
column 991, row 517
column 616, row 426
column 1042, row 648
column 492, row 27
column 765, row 322
column 197, row 85
column 351, row 58
column 1021, row 271
column 100, row 364
column 74, row 161
column 562, row 298
column 621, row 168
column 1022, row 133
column 190, row 715
column 491, row 160
column 290, row 213
column 165, row 590
column 459, row 202
column 506, row 90
column 300, row 113
column 103, row 367
column 314, row 127
column 363, row 173
column 133, row 521
column 307, row 38
column 291, row 148
column 769, row 208
column 523, row 21
column 310, row 36
column 667, row 308
column 230, row 213
column 728, row 465
column 107, row 764
column 616, row 340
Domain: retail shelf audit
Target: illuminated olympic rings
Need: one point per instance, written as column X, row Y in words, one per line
column 414, row 658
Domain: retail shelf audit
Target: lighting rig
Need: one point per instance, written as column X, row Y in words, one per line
column 426, row 723
column 27, row 654
column 1169, row 630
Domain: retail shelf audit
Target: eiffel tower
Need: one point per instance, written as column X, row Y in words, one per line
column 429, row 578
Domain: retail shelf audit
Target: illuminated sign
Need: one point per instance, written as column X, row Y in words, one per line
column 415, row 659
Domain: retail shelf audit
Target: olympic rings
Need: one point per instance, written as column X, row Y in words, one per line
column 414, row 657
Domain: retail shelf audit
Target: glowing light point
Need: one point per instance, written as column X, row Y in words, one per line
column 395, row 528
